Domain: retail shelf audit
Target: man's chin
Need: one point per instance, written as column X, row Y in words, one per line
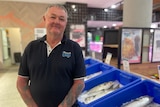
column 56, row 33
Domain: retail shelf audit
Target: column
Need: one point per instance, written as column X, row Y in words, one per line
column 137, row 13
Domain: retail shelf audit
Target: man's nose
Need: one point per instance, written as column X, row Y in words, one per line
column 57, row 20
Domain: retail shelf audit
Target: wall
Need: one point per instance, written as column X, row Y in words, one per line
column 1, row 53
column 77, row 18
column 28, row 16
column 25, row 16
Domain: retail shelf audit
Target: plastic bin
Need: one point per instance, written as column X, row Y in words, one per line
column 124, row 78
column 145, row 87
column 89, row 62
column 98, row 67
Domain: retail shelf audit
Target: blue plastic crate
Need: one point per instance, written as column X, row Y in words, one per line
column 98, row 67
column 124, row 78
column 145, row 87
column 90, row 61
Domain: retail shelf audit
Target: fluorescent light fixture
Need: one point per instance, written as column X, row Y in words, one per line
column 153, row 25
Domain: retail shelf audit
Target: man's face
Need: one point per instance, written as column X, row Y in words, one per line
column 55, row 21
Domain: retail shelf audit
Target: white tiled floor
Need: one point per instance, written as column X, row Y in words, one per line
column 9, row 96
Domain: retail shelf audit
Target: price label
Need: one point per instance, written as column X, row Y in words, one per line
column 126, row 65
column 158, row 71
column 108, row 58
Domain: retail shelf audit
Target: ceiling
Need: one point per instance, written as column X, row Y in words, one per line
column 93, row 3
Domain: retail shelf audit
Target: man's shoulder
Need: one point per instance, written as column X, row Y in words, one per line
column 69, row 41
column 37, row 41
column 33, row 42
column 34, row 45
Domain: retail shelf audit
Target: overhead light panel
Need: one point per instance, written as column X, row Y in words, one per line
column 153, row 25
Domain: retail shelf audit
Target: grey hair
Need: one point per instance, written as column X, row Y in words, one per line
column 58, row 6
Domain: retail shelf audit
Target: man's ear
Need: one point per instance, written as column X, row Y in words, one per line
column 44, row 18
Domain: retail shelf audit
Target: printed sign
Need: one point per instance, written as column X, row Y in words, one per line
column 108, row 58
column 156, row 46
column 131, row 45
column 77, row 34
column 159, row 71
column 96, row 46
column 126, row 65
column 39, row 32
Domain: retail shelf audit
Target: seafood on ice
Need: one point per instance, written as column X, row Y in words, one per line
column 92, row 75
column 98, row 91
column 142, row 101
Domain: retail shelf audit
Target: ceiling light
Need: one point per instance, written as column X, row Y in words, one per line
column 75, row 10
column 104, row 26
column 114, row 24
column 73, row 6
column 106, row 10
column 113, row 6
column 151, row 30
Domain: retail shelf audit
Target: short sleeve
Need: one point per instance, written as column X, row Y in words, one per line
column 80, row 70
column 23, row 68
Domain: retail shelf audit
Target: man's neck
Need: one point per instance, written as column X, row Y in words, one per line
column 53, row 40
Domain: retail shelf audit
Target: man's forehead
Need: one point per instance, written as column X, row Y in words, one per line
column 56, row 10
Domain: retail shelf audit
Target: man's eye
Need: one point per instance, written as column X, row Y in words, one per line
column 53, row 17
column 61, row 19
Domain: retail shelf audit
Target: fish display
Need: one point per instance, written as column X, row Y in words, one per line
column 98, row 91
column 142, row 101
column 153, row 104
column 92, row 75
column 87, row 65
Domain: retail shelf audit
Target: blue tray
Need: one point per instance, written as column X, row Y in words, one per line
column 96, row 68
column 145, row 87
column 124, row 78
column 90, row 61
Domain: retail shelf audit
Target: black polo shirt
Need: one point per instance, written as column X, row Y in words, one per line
column 51, row 77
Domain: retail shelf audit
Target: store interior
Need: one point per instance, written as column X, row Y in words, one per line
column 98, row 30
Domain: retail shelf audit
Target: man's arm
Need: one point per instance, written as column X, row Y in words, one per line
column 23, row 89
column 73, row 94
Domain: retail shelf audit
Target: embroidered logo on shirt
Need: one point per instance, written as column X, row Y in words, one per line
column 66, row 54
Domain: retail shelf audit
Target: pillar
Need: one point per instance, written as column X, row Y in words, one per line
column 137, row 13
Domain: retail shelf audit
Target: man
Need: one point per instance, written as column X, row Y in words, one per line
column 52, row 68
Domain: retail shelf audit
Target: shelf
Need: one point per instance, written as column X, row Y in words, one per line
column 111, row 46
column 145, row 46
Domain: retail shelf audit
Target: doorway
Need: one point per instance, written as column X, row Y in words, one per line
column 10, row 43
